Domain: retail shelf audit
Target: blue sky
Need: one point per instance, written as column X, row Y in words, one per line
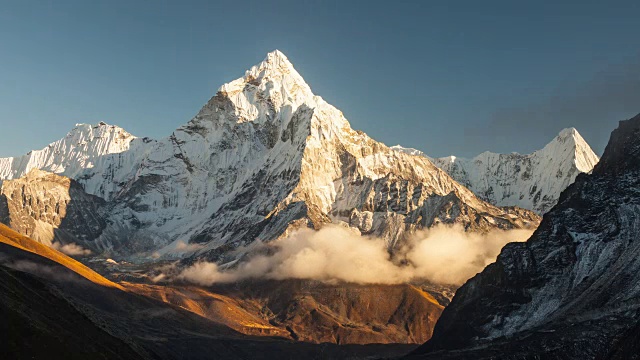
column 448, row 77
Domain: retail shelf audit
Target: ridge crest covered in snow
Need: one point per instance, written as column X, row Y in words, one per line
column 531, row 181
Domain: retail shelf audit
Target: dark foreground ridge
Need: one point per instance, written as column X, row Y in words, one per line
column 571, row 291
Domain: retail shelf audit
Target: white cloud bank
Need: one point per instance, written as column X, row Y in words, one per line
column 71, row 249
column 444, row 254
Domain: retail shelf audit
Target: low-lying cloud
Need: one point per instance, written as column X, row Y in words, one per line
column 38, row 269
column 71, row 249
column 444, row 254
column 182, row 246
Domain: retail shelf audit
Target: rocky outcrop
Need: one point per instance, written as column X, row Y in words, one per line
column 48, row 208
column 571, row 290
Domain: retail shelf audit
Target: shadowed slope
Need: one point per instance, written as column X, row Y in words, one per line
column 40, row 324
column 14, row 239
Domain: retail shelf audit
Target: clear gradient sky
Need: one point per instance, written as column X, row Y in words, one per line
column 446, row 77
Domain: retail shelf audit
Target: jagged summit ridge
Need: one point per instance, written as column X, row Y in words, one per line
column 273, row 83
column 571, row 142
column 276, row 66
column 81, row 148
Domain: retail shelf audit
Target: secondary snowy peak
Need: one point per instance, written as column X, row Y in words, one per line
column 532, row 181
column 80, row 149
column 570, row 144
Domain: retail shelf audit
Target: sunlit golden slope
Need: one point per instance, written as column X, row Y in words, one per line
column 237, row 314
column 310, row 311
column 14, row 239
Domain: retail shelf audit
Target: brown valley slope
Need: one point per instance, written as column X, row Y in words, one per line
column 311, row 311
column 52, row 308
column 298, row 310
column 10, row 237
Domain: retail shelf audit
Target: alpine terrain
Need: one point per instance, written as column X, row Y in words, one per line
column 571, row 290
column 263, row 157
column 261, row 222
column 53, row 306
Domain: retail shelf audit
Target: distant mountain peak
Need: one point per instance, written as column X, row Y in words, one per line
column 571, row 138
column 266, row 88
column 570, row 131
column 99, row 129
column 532, row 181
column 570, row 142
column 277, row 58
column 275, row 66
column 80, row 148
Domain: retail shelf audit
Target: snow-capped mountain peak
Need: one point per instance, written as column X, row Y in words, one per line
column 570, row 142
column 274, row 83
column 264, row 157
column 275, row 66
column 570, row 291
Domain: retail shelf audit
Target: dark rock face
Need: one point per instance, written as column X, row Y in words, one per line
column 48, row 326
column 573, row 286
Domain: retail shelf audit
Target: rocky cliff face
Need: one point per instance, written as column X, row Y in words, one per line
column 262, row 157
column 572, row 289
column 532, row 181
column 48, row 207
